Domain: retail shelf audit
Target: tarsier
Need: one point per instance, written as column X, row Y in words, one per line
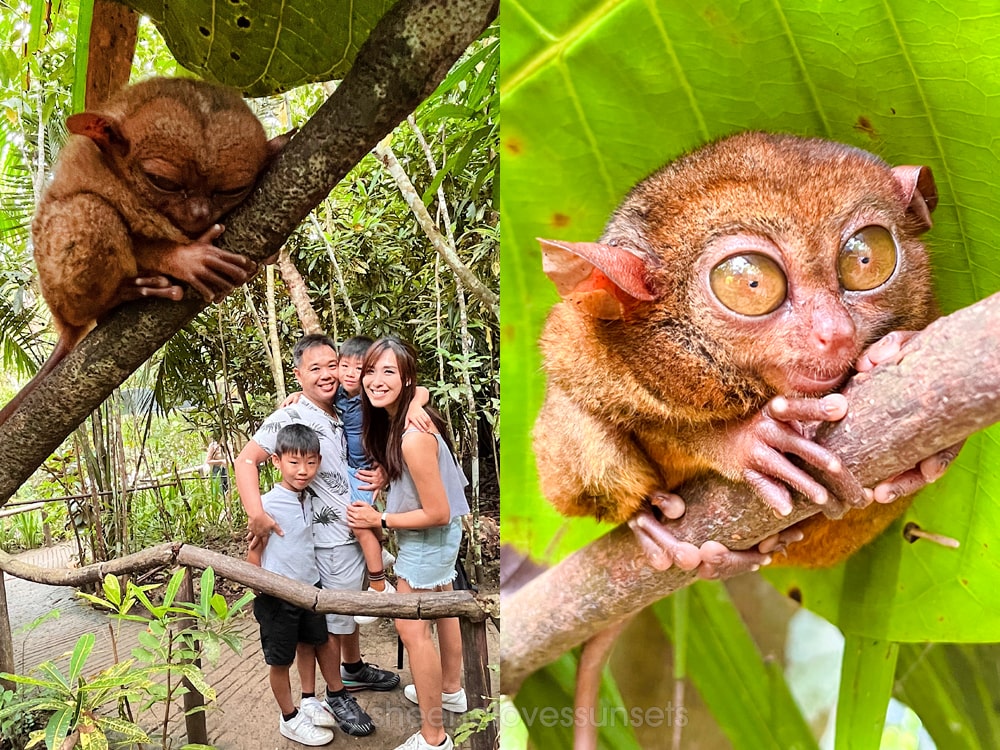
column 728, row 295
column 132, row 207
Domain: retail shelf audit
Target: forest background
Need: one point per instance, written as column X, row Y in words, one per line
column 364, row 262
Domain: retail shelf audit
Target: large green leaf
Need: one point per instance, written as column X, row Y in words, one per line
column 597, row 95
column 265, row 47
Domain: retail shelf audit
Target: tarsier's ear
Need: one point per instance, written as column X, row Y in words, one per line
column 101, row 130
column 278, row 143
column 919, row 193
column 603, row 280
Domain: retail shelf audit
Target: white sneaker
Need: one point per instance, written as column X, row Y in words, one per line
column 417, row 742
column 387, row 558
column 456, row 702
column 300, row 729
column 369, row 619
column 318, row 713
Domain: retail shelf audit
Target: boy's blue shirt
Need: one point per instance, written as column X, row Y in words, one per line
column 349, row 408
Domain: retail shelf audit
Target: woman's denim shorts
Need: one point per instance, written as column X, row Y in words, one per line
column 427, row 557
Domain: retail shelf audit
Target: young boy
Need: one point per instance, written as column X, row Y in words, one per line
column 348, row 403
column 284, row 626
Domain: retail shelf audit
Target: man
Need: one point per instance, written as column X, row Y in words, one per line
column 338, row 554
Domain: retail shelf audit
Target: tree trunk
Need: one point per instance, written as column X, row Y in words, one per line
column 404, row 59
column 299, row 293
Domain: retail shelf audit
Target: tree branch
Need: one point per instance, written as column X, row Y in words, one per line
column 946, row 387
column 405, row 58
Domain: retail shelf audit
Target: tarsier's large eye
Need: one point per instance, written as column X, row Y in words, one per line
column 750, row 284
column 163, row 183
column 867, row 259
column 233, row 192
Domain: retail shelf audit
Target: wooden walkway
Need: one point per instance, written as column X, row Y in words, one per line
column 244, row 716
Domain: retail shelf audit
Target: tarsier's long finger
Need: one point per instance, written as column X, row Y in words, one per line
column 830, row 408
column 929, row 470
column 718, row 561
column 837, row 479
column 779, row 542
column 670, row 505
column 775, row 468
column 212, row 233
column 660, row 546
column 152, row 286
column 884, row 351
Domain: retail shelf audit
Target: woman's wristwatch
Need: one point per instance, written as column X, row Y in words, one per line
column 384, row 524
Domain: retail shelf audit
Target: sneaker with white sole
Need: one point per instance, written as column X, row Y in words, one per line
column 369, row 619
column 318, row 712
column 456, row 702
column 351, row 718
column 417, row 742
column 300, row 729
column 369, row 677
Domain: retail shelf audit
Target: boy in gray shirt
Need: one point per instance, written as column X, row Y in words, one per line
column 284, row 626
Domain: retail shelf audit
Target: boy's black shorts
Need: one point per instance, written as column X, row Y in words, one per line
column 283, row 625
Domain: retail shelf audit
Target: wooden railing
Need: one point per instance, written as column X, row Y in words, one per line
column 472, row 610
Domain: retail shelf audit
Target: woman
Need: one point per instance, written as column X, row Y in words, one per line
column 425, row 503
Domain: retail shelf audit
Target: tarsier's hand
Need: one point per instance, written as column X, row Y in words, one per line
column 759, row 447
column 886, row 351
column 211, row 272
column 713, row 559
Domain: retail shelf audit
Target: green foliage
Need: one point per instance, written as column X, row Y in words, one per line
column 265, row 47
column 476, row 720
column 74, row 701
column 178, row 633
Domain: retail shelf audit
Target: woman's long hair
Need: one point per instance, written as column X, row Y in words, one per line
column 382, row 435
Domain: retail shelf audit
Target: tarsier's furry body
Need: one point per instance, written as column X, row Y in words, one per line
column 653, row 378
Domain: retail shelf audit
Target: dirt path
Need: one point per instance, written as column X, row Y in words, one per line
column 244, row 716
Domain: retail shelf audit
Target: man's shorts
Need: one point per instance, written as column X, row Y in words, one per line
column 341, row 568
column 283, row 626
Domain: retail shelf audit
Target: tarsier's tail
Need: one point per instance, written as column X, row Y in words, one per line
column 67, row 341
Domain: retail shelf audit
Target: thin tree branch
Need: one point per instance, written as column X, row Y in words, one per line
column 486, row 295
column 946, row 387
column 405, row 58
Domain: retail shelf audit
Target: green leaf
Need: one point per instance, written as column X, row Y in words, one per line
column 59, row 725
column 953, row 689
column 81, row 651
column 112, row 589
column 595, row 96
column 545, row 704
column 266, row 46
column 173, row 586
column 748, row 697
column 865, row 688
column 130, row 732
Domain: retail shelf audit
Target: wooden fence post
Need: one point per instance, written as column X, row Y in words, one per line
column 6, row 638
column 194, row 721
column 475, row 657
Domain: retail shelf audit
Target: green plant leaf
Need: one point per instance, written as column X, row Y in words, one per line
column 748, row 697
column 173, row 586
column 112, row 590
column 59, row 725
column 84, row 645
column 545, row 704
column 265, row 47
column 595, row 96
column 865, row 688
column 953, row 689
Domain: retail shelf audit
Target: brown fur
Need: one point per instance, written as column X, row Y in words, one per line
column 638, row 398
column 105, row 219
